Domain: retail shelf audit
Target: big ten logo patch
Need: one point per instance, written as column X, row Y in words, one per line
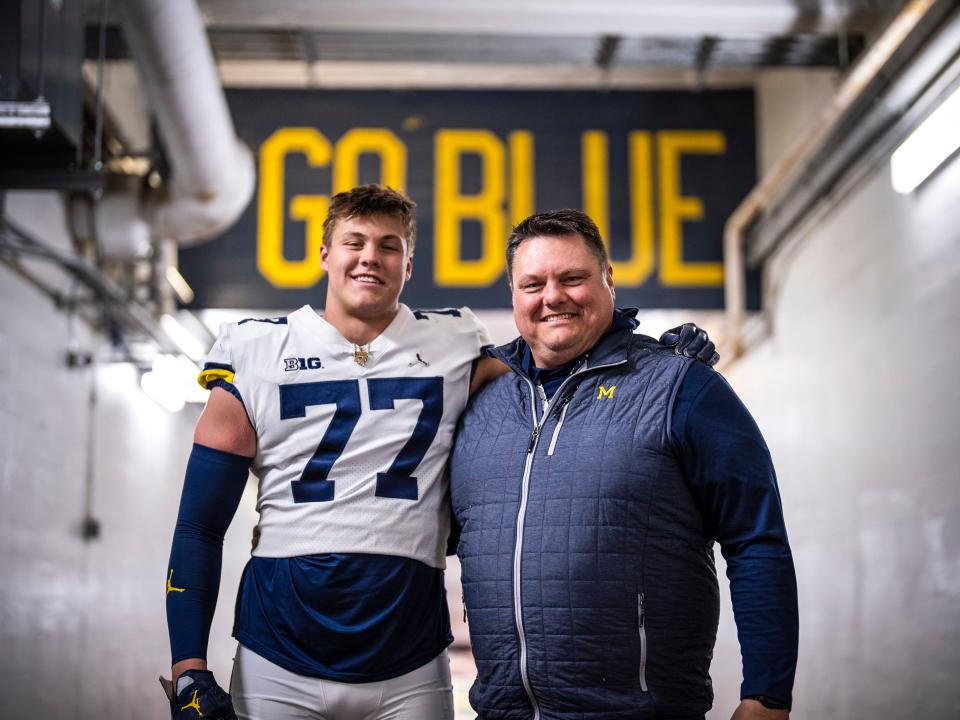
column 299, row 363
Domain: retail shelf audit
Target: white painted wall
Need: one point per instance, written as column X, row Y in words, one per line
column 855, row 396
column 82, row 623
column 788, row 102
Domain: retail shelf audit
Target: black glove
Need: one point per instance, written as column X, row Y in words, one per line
column 691, row 341
column 201, row 697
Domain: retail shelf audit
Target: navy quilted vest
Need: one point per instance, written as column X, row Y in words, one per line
column 588, row 575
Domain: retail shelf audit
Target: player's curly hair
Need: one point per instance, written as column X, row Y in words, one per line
column 366, row 200
column 566, row 221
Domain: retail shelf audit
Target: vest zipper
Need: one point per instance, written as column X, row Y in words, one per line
column 533, row 439
column 543, row 399
column 521, row 516
column 641, row 615
column 518, row 551
column 556, row 430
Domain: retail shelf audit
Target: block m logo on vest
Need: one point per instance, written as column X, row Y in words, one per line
column 605, row 393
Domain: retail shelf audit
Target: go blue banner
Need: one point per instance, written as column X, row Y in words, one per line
column 660, row 172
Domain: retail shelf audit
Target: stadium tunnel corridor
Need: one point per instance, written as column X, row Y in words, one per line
column 842, row 347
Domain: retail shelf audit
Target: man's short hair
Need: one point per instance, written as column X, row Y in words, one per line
column 566, row 221
column 366, row 200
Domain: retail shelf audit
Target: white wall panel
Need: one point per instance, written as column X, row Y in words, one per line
column 855, row 395
column 82, row 623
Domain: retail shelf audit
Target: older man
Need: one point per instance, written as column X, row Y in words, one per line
column 590, row 485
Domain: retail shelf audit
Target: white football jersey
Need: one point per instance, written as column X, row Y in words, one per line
column 351, row 450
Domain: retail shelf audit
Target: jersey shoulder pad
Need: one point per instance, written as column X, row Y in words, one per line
column 483, row 335
column 268, row 321
column 460, row 321
column 221, row 362
column 438, row 314
column 462, row 317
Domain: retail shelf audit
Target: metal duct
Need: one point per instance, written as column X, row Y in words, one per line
column 213, row 173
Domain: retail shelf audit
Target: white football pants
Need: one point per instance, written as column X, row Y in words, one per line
column 264, row 691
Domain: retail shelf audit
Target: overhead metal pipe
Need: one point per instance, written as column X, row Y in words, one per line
column 16, row 242
column 792, row 162
column 213, row 172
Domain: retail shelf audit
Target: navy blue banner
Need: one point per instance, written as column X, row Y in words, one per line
column 660, row 172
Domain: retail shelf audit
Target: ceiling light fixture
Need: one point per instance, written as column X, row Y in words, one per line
column 179, row 284
column 164, row 383
column 185, row 341
column 927, row 147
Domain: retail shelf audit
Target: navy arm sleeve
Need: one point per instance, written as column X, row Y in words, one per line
column 730, row 473
column 211, row 493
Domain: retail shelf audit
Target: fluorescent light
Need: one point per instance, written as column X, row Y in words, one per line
column 936, row 139
column 160, row 393
column 172, row 382
column 188, row 371
column 182, row 338
column 196, row 394
column 164, row 383
column 119, row 377
column 179, row 284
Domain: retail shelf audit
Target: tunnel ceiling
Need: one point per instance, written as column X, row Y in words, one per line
column 698, row 35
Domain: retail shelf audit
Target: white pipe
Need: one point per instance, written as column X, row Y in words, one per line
column 213, row 173
column 683, row 18
column 790, row 162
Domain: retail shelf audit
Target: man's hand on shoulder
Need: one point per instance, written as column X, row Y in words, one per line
column 691, row 341
column 754, row 710
column 197, row 694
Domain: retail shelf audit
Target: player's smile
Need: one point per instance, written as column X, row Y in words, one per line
column 367, row 279
column 367, row 263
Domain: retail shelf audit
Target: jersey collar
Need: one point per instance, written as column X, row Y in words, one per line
column 337, row 345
